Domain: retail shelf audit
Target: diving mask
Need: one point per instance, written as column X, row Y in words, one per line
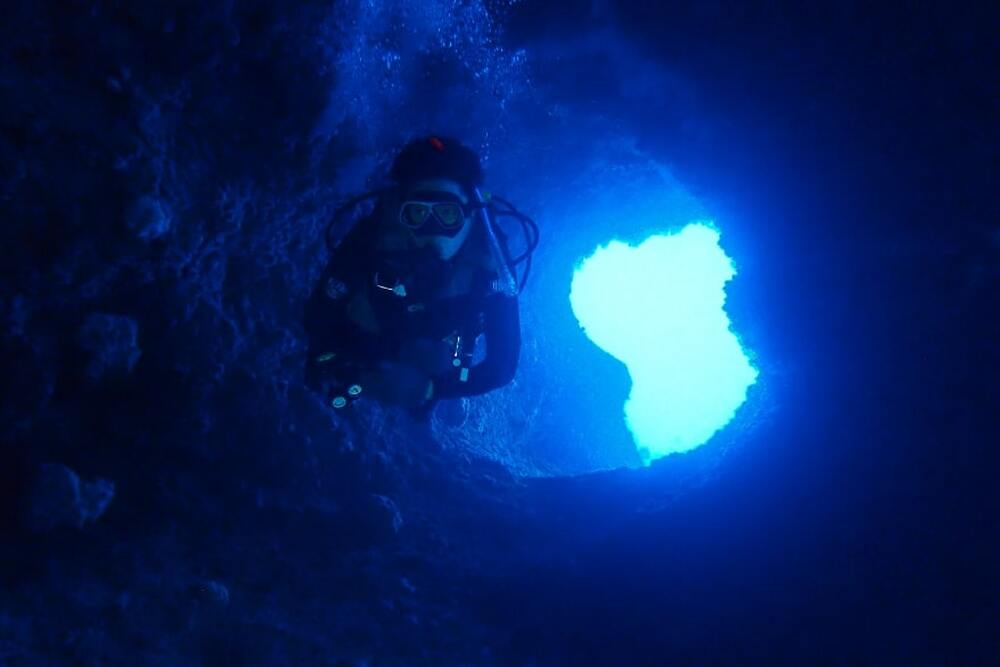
column 433, row 214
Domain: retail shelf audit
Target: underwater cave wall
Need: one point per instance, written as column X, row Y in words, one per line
column 166, row 173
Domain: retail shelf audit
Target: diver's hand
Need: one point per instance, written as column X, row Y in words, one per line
column 397, row 384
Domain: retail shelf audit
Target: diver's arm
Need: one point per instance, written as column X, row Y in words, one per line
column 337, row 344
column 503, row 348
column 328, row 319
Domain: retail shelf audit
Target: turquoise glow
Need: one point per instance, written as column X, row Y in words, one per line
column 658, row 307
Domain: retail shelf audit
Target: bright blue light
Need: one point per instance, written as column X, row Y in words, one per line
column 658, row 307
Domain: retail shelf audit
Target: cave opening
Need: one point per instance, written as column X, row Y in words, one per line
column 658, row 307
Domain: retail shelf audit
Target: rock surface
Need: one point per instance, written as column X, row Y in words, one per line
column 59, row 497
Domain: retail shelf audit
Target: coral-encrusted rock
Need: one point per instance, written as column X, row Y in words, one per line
column 211, row 592
column 59, row 497
column 148, row 218
column 384, row 515
column 112, row 341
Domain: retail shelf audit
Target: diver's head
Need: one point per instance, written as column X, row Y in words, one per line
column 436, row 213
column 436, row 177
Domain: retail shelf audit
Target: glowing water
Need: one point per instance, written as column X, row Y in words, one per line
column 658, row 307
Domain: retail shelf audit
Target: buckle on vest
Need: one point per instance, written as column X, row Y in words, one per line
column 399, row 289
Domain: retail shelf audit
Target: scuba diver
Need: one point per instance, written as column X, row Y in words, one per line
column 412, row 287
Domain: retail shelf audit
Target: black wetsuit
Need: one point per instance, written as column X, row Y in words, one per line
column 369, row 308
